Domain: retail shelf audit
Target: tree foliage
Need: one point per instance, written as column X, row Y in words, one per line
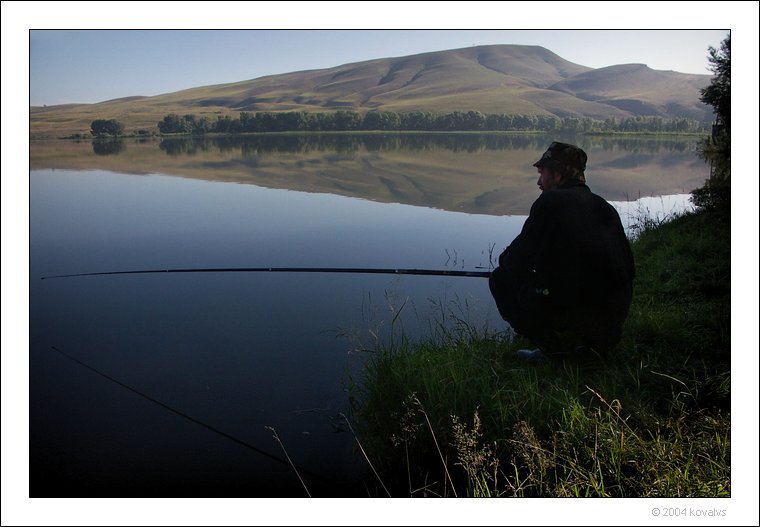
column 347, row 120
column 718, row 93
column 716, row 149
column 105, row 127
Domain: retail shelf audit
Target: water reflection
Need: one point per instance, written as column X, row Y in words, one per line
column 107, row 147
column 239, row 352
column 343, row 143
column 242, row 352
column 387, row 142
column 474, row 173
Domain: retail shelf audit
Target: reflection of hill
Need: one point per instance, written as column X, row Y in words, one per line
column 473, row 173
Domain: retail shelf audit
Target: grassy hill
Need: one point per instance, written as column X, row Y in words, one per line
column 505, row 79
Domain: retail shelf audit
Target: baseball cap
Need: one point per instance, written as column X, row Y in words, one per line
column 563, row 157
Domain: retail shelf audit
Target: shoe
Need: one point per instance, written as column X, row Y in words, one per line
column 534, row 356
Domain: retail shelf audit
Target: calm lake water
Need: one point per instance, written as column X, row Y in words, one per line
column 230, row 354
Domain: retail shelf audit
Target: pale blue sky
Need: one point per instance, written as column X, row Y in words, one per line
column 95, row 65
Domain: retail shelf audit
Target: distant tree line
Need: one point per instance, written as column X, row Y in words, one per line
column 344, row 120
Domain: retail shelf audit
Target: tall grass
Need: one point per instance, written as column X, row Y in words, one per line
column 459, row 415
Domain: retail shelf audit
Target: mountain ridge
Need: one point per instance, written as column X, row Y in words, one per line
column 493, row 79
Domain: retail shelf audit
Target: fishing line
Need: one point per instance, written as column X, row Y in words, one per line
column 425, row 272
column 189, row 417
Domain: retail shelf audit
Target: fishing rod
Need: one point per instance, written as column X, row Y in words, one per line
column 425, row 272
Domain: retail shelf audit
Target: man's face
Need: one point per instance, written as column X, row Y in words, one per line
column 547, row 178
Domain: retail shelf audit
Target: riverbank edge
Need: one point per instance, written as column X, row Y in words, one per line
column 460, row 415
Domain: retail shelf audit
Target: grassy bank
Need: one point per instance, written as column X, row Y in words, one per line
column 459, row 415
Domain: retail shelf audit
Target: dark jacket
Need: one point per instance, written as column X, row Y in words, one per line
column 566, row 280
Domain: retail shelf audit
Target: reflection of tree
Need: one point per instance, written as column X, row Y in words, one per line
column 348, row 143
column 253, row 145
column 646, row 145
column 106, row 147
column 176, row 146
column 225, row 144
